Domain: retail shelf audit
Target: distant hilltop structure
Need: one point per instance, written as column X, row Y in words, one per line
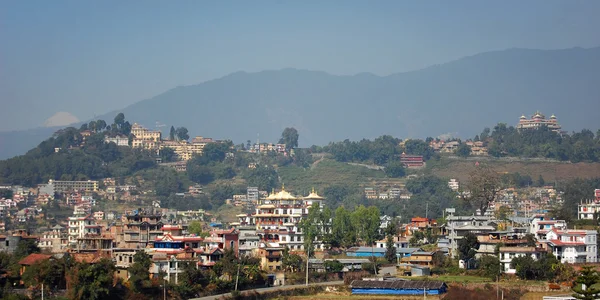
column 537, row 121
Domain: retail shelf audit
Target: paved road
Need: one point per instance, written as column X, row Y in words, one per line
column 275, row 288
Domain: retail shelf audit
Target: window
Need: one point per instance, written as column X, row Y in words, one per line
column 130, row 259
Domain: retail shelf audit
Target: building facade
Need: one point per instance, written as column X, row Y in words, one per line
column 537, row 121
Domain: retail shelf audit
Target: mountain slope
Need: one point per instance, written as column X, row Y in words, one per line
column 459, row 97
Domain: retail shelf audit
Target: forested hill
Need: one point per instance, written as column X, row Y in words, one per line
column 459, row 97
column 67, row 155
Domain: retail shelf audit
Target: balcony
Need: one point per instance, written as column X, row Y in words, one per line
column 273, row 255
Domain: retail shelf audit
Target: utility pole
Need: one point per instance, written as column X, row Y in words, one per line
column 307, row 258
column 164, row 288
column 237, row 277
column 42, row 291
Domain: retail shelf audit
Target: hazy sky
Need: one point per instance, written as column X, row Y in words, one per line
column 91, row 57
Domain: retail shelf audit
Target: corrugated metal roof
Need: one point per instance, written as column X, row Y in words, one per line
column 397, row 284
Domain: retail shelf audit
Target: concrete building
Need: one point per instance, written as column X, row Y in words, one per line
column 508, row 253
column 453, row 184
column 458, row 226
column 61, row 186
column 573, row 246
column 145, row 138
column 119, row 140
column 277, row 218
column 587, row 208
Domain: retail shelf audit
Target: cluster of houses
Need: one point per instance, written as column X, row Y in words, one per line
column 90, row 236
column 393, row 193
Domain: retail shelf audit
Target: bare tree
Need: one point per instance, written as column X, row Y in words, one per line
column 482, row 189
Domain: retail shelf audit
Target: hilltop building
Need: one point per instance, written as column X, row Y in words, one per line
column 119, row 140
column 145, row 138
column 61, row 186
column 537, row 121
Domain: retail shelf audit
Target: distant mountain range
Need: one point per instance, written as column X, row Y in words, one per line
column 460, row 97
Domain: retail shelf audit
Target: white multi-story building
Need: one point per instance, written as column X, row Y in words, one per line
column 119, row 140
column 540, row 225
column 81, row 226
column 573, row 246
column 508, row 253
column 83, row 186
column 453, row 184
column 278, row 216
column 458, row 226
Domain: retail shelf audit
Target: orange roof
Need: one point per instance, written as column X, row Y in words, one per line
column 34, row 258
column 419, row 219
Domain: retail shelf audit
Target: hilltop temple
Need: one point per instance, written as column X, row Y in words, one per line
column 537, row 121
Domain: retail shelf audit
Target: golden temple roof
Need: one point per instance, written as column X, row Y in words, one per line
column 281, row 195
column 314, row 195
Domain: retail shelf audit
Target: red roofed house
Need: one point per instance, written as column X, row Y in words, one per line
column 573, row 246
column 32, row 259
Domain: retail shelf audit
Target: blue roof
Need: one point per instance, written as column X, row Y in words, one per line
column 366, row 249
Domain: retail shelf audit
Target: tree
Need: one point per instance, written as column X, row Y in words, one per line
column 482, row 189
column 100, row 125
column 342, row 230
column 490, row 265
column 182, row 134
column 395, row 169
column 200, row 174
column 49, row 272
column 333, row 266
column 416, row 239
column 367, row 222
column 541, row 182
column 263, row 177
column 531, row 240
column 172, row 133
column 289, row 137
column 167, row 154
column 463, row 150
column 139, row 274
column 119, row 120
column 586, row 281
column 195, row 227
column 26, row 247
column 310, row 228
column 93, row 281
column 291, row 262
column 390, row 248
column 503, row 213
column 544, row 268
column 467, row 247
column 6, row 193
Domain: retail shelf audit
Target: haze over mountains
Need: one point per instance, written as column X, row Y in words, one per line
column 460, row 97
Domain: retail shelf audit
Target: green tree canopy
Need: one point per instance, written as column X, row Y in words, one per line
column 463, row 150
column 467, row 247
column 289, row 137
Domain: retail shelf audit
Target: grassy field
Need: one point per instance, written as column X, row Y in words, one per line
column 551, row 171
column 328, row 172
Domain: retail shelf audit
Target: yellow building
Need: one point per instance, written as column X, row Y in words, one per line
column 145, row 138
